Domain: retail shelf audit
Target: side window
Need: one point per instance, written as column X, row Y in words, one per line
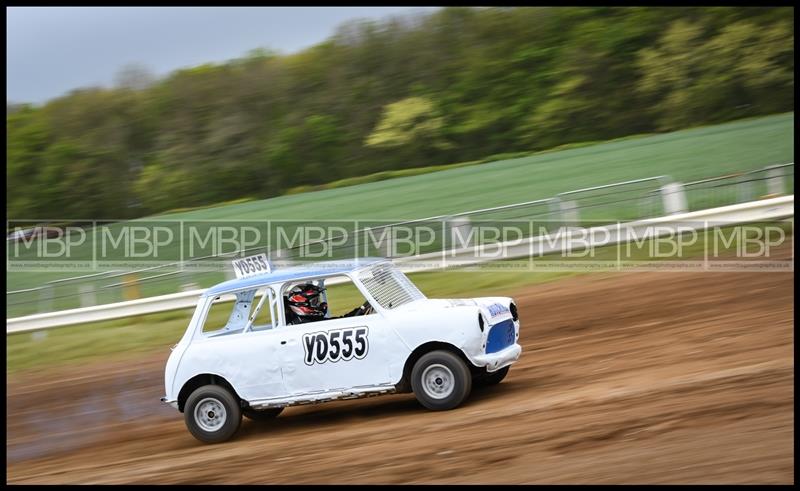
column 218, row 314
column 342, row 297
column 231, row 313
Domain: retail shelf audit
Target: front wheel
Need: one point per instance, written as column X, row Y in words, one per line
column 441, row 380
column 212, row 414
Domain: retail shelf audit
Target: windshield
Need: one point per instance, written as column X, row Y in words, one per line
column 389, row 286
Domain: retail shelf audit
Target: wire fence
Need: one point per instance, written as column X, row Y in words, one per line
column 772, row 181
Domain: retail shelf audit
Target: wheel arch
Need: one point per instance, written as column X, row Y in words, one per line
column 200, row 380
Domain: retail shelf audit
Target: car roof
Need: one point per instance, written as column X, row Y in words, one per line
column 310, row 270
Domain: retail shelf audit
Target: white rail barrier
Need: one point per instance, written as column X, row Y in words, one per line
column 755, row 211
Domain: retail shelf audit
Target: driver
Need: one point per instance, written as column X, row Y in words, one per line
column 304, row 304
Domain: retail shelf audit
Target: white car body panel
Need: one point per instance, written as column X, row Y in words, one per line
column 271, row 367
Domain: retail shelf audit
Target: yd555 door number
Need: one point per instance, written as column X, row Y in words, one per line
column 341, row 344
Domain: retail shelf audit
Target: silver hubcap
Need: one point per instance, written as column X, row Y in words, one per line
column 438, row 381
column 210, row 414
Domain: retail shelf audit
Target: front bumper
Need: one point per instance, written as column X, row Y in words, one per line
column 171, row 403
column 500, row 359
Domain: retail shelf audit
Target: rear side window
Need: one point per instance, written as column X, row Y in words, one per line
column 231, row 313
column 219, row 314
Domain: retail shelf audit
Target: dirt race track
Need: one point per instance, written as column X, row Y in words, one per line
column 624, row 378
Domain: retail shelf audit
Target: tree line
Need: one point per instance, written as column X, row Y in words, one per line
column 409, row 91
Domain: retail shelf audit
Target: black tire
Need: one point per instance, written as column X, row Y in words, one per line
column 202, row 414
column 494, row 378
column 449, row 381
column 262, row 414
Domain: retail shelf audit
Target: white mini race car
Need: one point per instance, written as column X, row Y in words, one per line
column 398, row 341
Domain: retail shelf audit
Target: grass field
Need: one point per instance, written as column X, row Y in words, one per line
column 683, row 156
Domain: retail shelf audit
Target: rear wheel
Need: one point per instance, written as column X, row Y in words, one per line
column 262, row 414
column 441, row 380
column 212, row 414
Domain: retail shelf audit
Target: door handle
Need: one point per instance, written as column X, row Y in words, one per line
column 283, row 342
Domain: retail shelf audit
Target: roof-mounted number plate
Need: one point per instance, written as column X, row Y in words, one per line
column 251, row 266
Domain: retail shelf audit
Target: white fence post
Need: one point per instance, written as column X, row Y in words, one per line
column 775, row 181
column 674, row 198
column 458, row 225
column 569, row 213
column 46, row 299
column 745, row 189
column 88, row 298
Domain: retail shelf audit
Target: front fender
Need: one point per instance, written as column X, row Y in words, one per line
column 465, row 324
column 458, row 326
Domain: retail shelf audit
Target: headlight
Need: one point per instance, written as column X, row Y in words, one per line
column 513, row 309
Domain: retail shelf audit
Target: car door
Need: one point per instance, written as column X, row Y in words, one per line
column 251, row 360
column 338, row 353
